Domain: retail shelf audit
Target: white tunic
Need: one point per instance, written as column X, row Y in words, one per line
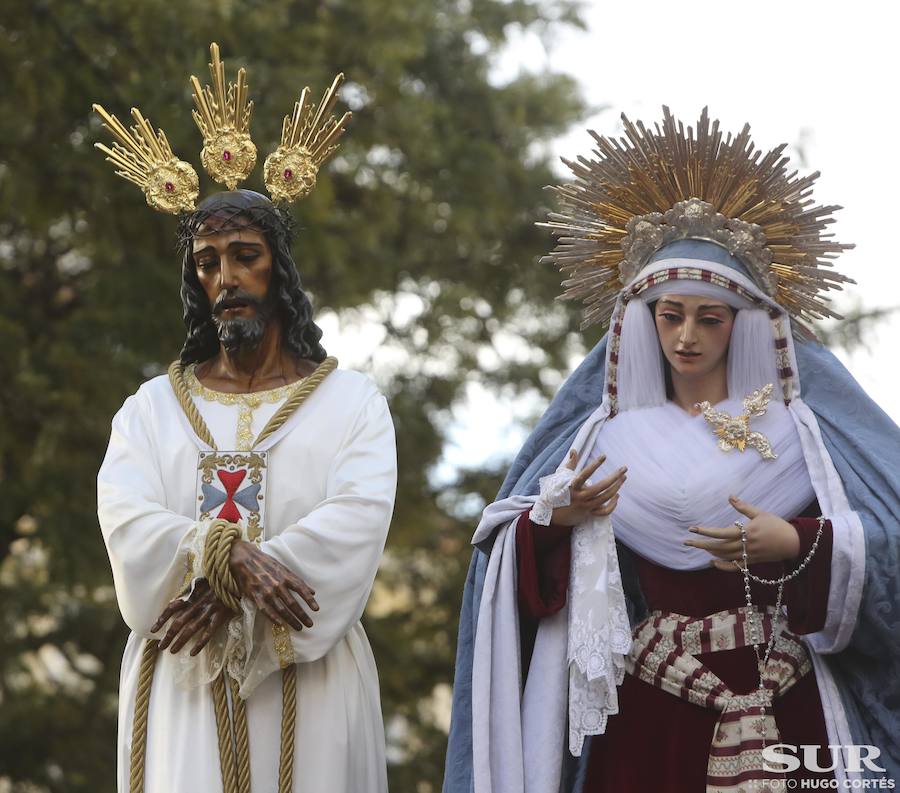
column 329, row 496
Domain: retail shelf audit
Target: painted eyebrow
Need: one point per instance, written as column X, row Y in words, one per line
column 234, row 244
column 699, row 308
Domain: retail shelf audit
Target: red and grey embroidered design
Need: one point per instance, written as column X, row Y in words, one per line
column 231, row 486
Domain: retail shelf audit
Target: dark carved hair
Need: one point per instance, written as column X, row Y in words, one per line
column 244, row 209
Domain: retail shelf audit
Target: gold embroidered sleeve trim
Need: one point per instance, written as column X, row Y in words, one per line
column 281, row 640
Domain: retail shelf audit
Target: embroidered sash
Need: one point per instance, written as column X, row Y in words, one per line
column 663, row 655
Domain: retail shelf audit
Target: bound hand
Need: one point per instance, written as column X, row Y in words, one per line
column 769, row 539
column 598, row 499
column 200, row 615
column 271, row 586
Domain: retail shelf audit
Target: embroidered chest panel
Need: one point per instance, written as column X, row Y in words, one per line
column 231, row 485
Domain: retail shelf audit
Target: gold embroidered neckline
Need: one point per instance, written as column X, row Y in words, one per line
column 246, row 403
column 251, row 399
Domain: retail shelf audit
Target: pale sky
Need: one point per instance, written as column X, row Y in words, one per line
column 820, row 74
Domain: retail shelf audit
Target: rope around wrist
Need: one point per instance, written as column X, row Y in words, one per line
column 220, row 537
column 234, row 758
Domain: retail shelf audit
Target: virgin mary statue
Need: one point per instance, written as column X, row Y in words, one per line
column 688, row 580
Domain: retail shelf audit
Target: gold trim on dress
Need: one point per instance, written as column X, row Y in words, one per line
column 281, row 641
column 246, row 403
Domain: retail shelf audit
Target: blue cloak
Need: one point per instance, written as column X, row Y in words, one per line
column 864, row 445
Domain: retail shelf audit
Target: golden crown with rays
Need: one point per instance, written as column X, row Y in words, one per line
column 308, row 136
column 656, row 186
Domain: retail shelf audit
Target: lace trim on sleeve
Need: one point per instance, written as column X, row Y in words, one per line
column 555, row 493
column 230, row 647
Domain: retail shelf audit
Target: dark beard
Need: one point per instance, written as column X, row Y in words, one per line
column 244, row 334
column 241, row 334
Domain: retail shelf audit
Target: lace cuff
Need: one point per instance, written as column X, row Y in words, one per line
column 555, row 493
column 229, row 647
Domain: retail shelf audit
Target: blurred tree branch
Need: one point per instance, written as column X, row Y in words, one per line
column 853, row 331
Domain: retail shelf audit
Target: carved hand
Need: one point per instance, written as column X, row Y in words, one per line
column 271, row 586
column 200, row 615
column 598, row 499
column 769, row 539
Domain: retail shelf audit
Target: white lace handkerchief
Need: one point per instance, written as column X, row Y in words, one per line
column 599, row 631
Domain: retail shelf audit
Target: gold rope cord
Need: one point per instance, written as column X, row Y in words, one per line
column 241, row 739
column 216, row 554
column 288, row 719
column 180, row 387
column 297, row 398
column 310, row 384
column 223, row 729
column 234, row 762
column 139, row 720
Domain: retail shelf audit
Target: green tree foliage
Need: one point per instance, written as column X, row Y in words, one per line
column 433, row 196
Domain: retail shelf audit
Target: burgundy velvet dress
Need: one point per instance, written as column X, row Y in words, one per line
column 659, row 742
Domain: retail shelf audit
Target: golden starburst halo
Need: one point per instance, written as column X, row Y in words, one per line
column 144, row 157
column 223, row 118
column 654, row 186
column 308, row 137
